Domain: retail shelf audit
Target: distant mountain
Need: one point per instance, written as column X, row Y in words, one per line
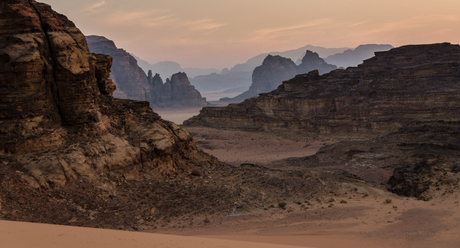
column 294, row 55
column 276, row 69
column 354, row 57
column 132, row 82
column 127, row 75
column 240, row 76
column 167, row 68
column 222, row 82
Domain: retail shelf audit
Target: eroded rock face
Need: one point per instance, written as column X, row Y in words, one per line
column 58, row 119
column 401, row 86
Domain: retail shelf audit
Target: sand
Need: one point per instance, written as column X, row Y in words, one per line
column 27, row 235
column 360, row 223
column 237, row 147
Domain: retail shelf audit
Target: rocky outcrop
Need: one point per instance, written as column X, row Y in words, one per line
column 128, row 76
column 388, row 91
column 58, row 119
column 419, row 160
column 311, row 61
column 175, row 93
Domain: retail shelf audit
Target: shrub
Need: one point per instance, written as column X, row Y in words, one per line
column 282, row 204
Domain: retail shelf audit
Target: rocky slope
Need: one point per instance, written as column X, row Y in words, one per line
column 129, row 77
column 72, row 154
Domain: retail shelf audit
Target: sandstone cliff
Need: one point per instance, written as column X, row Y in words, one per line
column 403, row 85
column 128, row 76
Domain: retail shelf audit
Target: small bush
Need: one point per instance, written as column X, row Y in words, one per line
column 206, row 221
column 387, row 200
column 331, row 200
column 343, row 202
column 330, row 205
column 282, row 204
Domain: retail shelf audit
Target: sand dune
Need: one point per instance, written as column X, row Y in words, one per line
column 26, row 235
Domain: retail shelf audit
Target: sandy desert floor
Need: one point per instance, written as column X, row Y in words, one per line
column 367, row 217
column 237, row 147
column 365, row 220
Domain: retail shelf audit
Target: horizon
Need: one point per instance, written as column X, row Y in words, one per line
column 207, row 34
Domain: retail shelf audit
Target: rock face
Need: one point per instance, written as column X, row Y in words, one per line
column 386, row 92
column 311, row 61
column 129, row 77
column 177, row 92
column 276, row 69
column 58, row 119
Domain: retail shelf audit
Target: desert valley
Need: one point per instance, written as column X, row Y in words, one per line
column 311, row 147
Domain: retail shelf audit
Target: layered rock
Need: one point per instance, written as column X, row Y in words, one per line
column 129, row 77
column 58, row 119
column 403, row 85
column 174, row 93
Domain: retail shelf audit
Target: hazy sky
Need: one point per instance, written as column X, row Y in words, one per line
column 216, row 33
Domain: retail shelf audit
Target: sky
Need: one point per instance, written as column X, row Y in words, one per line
column 218, row 34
